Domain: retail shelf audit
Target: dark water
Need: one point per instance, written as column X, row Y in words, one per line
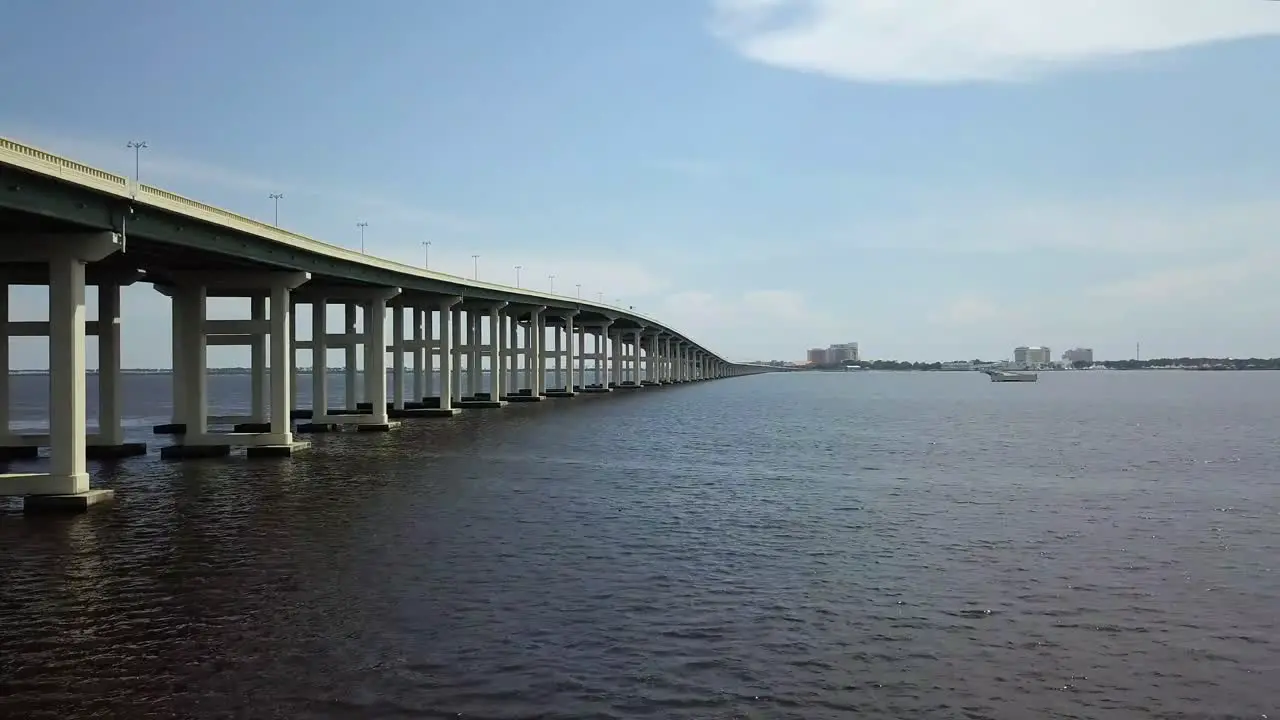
column 1096, row 545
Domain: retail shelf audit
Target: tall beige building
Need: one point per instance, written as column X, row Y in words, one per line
column 1033, row 355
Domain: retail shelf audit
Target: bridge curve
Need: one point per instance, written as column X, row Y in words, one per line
column 73, row 196
column 65, row 225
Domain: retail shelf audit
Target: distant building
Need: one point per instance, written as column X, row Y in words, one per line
column 818, row 356
column 1032, row 356
column 843, row 352
column 1078, row 355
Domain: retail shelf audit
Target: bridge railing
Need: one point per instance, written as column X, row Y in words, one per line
column 63, row 168
column 31, row 158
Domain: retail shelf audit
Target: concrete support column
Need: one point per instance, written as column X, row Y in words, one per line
column 448, row 358
column 375, row 358
column 66, row 374
column 282, row 362
column 258, row 362
column 558, row 356
column 457, row 334
column 110, row 430
column 581, row 332
column 397, row 356
column 195, row 357
column 616, row 342
column 349, row 372
column 664, row 360
column 474, row 342
column 568, row 351
column 602, row 356
column 293, row 355
column 495, row 352
column 533, row 351
column 178, row 377
column 4, row 359
column 635, row 354
column 539, row 359
column 513, row 354
column 421, row 333
column 319, row 358
column 530, row 365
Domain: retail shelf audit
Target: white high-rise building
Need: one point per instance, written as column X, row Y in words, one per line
column 1078, row 355
column 843, row 352
column 1032, row 356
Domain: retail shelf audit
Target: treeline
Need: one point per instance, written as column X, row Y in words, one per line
column 1205, row 363
column 1198, row 363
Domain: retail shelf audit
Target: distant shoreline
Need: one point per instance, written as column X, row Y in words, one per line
column 1200, row 364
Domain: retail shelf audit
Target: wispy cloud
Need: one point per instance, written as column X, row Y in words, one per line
column 947, row 41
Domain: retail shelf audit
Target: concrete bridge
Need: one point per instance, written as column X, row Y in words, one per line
column 66, row 225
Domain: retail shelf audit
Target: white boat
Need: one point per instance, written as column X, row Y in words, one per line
column 1011, row 376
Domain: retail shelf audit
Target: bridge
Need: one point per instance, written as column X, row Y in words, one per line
column 66, row 225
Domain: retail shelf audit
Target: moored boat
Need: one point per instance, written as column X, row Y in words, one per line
column 1011, row 376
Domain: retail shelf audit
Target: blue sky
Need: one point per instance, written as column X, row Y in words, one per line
column 935, row 180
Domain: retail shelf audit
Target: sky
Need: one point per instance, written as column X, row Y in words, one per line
column 934, row 179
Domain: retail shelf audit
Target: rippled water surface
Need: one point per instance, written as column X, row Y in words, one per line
column 1096, row 545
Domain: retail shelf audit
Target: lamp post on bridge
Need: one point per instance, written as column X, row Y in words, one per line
column 475, row 267
column 518, row 276
column 600, row 298
column 552, row 278
column 362, row 226
column 136, row 146
column 275, row 197
column 426, row 255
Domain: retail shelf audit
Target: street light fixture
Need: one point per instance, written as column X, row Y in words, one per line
column 518, row 276
column 552, row 278
column 136, row 146
column 362, row 226
column 579, row 286
column 276, row 198
column 426, row 254
column 475, row 267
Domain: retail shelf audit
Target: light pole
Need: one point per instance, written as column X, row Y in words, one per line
column 276, row 198
column 426, row 255
column 362, row 226
column 552, row 278
column 600, row 298
column 579, row 286
column 136, row 146
column 475, row 267
column 518, row 276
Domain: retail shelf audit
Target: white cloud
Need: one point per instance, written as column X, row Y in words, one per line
column 944, row 41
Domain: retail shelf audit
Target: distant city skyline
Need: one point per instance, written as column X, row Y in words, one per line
column 764, row 176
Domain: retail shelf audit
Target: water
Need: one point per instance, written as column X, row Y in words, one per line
column 1096, row 545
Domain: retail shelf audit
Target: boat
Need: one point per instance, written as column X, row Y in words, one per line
column 1011, row 376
